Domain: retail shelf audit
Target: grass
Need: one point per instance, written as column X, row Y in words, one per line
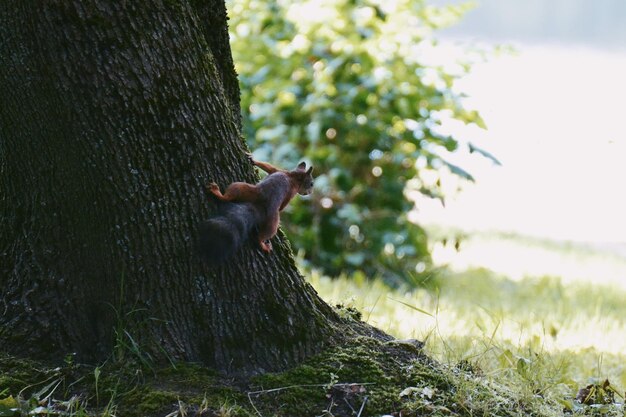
column 363, row 376
column 549, row 335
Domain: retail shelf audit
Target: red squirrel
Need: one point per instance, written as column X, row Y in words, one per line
column 245, row 208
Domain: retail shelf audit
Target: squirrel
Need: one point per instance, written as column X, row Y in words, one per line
column 246, row 208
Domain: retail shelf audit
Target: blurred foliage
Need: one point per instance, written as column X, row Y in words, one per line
column 345, row 84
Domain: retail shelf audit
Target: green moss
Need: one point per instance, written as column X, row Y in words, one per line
column 342, row 378
column 151, row 402
column 17, row 374
column 185, row 386
column 384, row 378
column 348, row 312
column 363, row 374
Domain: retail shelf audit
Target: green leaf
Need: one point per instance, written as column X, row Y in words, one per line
column 412, row 307
column 522, row 366
column 457, row 170
column 9, row 407
column 355, row 258
column 506, row 359
column 37, row 411
column 569, row 405
column 260, row 76
column 473, row 148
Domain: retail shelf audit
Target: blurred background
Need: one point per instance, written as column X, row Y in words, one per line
column 553, row 108
column 469, row 163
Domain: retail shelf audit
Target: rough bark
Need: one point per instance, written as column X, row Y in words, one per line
column 113, row 116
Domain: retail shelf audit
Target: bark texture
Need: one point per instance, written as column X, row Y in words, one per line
column 113, row 117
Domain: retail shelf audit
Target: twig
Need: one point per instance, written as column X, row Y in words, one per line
column 267, row 391
column 362, row 407
column 253, row 406
column 349, row 405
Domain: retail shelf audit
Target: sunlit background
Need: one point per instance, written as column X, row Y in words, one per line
column 554, row 108
column 551, row 217
column 529, row 260
column 545, row 229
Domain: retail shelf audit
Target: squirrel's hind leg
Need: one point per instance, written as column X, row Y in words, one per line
column 266, row 246
column 268, row 231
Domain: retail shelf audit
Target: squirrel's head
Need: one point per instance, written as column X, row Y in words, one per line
column 305, row 179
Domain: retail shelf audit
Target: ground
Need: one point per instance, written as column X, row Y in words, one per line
column 365, row 376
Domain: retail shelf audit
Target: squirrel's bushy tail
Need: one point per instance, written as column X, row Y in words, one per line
column 221, row 236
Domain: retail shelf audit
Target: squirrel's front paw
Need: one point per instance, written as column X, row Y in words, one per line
column 250, row 157
column 212, row 187
column 266, row 246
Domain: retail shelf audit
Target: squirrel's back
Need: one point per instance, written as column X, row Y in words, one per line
column 274, row 188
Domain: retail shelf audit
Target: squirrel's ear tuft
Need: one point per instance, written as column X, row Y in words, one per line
column 309, row 170
column 301, row 166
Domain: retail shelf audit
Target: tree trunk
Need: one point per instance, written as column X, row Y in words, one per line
column 113, row 117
